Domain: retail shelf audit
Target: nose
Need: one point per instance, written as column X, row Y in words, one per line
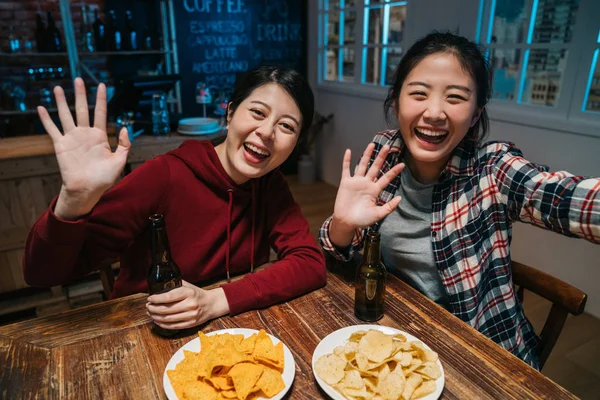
column 266, row 130
column 434, row 110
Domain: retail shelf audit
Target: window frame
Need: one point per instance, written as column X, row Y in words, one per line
column 356, row 88
column 567, row 115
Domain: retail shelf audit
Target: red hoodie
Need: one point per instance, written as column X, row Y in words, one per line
column 213, row 224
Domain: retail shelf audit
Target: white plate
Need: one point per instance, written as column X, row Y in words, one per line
column 340, row 338
column 289, row 366
column 196, row 133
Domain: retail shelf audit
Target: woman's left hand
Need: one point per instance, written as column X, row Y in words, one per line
column 186, row 306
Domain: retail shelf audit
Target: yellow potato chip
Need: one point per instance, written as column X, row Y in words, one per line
column 429, row 370
column 352, row 380
column 330, row 368
column 221, row 382
column 244, row 376
column 412, row 382
column 424, row 389
column 376, row 345
column 391, row 387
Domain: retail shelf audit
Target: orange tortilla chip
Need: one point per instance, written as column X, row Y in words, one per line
column 270, row 382
column 244, row 376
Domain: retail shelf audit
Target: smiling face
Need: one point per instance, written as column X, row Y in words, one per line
column 261, row 133
column 436, row 107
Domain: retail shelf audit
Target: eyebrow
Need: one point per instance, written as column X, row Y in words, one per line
column 269, row 107
column 459, row 87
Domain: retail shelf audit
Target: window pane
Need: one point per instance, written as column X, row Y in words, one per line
column 511, row 18
column 332, row 27
column 349, row 27
column 375, row 25
column 372, row 64
column 349, row 3
column 348, row 62
column 396, row 26
column 394, row 54
column 334, row 5
column 506, row 64
column 331, row 71
column 593, row 96
column 544, row 76
column 554, row 21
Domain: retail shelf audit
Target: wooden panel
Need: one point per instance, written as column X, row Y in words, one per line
column 21, row 362
column 25, row 167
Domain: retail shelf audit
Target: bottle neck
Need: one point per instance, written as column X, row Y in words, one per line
column 161, row 252
column 372, row 254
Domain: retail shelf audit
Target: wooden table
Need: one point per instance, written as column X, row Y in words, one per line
column 108, row 350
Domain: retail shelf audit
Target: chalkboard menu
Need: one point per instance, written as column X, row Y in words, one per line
column 218, row 40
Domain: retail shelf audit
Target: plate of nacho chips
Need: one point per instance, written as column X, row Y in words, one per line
column 238, row 363
column 377, row 362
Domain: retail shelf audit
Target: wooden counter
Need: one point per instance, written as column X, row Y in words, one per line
column 29, row 179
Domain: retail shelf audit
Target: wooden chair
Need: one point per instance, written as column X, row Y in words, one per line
column 107, row 276
column 565, row 299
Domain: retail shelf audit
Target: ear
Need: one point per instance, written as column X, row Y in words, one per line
column 476, row 116
column 230, row 112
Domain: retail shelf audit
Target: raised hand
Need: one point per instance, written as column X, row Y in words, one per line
column 88, row 166
column 186, row 306
column 356, row 200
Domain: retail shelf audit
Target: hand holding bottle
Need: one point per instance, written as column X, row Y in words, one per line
column 356, row 199
column 186, row 306
column 88, row 166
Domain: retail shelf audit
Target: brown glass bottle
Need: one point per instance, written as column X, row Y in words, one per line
column 164, row 274
column 369, row 285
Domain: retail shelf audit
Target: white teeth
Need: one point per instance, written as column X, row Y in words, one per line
column 431, row 133
column 257, row 150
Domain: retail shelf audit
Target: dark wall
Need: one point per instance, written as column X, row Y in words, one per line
column 218, row 39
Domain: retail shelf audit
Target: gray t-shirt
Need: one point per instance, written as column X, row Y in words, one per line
column 406, row 239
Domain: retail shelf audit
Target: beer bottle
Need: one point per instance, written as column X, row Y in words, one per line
column 164, row 274
column 370, row 281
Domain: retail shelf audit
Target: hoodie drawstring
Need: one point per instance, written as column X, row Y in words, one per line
column 230, row 192
column 230, row 208
column 253, row 219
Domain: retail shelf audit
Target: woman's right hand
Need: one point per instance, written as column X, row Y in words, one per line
column 88, row 166
column 356, row 200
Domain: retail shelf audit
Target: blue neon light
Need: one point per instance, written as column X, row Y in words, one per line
column 589, row 82
column 523, row 75
column 532, row 21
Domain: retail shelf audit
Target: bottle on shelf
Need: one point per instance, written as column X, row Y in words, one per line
column 13, row 41
column 113, row 33
column 369, row 285
column 40, row 34
column 160, row 115
column 147, row 40
column 99, row 32
column 130, row 38
column 53, row 35
column 163, row 274
column 87, row 37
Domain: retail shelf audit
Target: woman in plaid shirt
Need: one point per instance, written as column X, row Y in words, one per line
column 450, row 235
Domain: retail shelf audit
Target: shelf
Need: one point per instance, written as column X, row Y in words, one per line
column 25, row 55
column 4, row 113
column 122, row 53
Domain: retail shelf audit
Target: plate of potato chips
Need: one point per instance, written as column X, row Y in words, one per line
column 377, row 362
column 238, row 363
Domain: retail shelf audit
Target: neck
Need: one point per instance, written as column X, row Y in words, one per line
column 221, row 150
column 425, row 172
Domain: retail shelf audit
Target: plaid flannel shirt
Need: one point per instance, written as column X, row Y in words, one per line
column 475, row 200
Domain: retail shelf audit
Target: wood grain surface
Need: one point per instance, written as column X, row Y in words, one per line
column 108, row 350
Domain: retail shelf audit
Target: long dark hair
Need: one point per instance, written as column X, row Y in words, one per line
column 290, row 80
column 470, row 58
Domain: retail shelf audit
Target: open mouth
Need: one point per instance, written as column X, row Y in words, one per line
column 429, row 136
column 257, row 153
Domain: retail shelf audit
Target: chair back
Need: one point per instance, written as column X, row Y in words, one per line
column 565, row 299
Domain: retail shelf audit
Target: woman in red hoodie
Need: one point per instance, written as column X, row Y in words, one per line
column 224, row 206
